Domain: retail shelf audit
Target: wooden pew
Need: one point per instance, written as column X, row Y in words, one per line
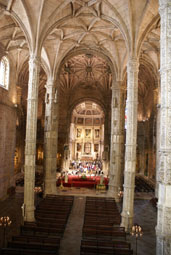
column 104, row 231
column 18, row 251
column 43, row 236
column 41, row 231
column 34, row 246
column 98, row 221
column 104, row 235
column 46, row 224
column 90, row 250
column 58, row 221
column 37, row 239
column 101, row 231
column 105, row 243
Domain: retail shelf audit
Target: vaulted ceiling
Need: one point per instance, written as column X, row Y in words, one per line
column 87, row 71
column 90, row 29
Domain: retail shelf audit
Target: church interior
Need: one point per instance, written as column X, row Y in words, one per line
column 85, row 127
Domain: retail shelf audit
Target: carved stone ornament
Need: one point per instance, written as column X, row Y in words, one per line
column 160, row 176
column 167, row 220
column 168, row 176
column 167, row 248
column 161, row 169
column 163, row 136
column 113, row 157
column 168, row 160
column 169, row 137
column 115, row 102
column 114, row 123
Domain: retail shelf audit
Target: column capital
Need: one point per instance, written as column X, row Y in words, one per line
column 117, row 85
column 133, row 65
column 49, row 84
column 34, row 60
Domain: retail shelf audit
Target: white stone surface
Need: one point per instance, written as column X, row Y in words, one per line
column 30, row 144
column 131, row 138
column 50, row 138
column 116, row 141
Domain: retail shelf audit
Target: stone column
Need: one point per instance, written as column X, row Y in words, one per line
column 116, row 141
column 157, row 102
column 30, row 143
column 157, row 150
column 141, row 146
column 163, row 229
column 72, row 141
column 131, row 141
column 124, row 132
column 105, row 153
column 50, row 138
column 151, row 146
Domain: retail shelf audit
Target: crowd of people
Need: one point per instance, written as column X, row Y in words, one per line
column 87, row 168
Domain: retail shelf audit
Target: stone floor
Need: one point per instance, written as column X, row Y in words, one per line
column 73, row 231
column 144, row 215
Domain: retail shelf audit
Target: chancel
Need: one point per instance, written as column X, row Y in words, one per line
column 85, row 115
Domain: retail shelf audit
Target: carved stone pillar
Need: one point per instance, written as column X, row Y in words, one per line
column 30, row 143
column 141, row 145
column 157, row 101
column 131, row 141
column 50, row 138
column 157, row 150
column 163, row 229
column 72, row 141
column 105, row 153
column 116, row 141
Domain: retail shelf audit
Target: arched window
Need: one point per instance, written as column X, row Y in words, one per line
column 4, row 72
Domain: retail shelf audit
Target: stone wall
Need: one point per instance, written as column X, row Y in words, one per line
column 7, row 143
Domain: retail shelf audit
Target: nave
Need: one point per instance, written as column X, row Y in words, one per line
column 76, row 231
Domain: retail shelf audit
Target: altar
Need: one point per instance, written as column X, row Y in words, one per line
column 83, row 181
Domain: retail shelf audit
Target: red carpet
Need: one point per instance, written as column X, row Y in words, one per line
column 78, row 181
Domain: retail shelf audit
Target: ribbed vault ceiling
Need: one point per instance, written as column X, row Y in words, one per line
column 87, row 71
column 115, row 28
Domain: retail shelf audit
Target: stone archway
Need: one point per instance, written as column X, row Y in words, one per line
column 83, row 77
column 86, row 136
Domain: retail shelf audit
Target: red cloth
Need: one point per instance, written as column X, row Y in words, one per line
column 78, row 181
